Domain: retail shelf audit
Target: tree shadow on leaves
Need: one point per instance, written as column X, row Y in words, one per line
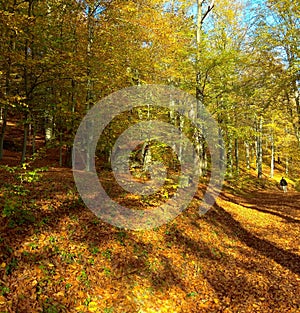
column 221, row 218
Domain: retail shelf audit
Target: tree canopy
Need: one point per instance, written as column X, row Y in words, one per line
column 240, row 60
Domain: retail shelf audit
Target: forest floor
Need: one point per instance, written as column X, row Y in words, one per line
column 57, row 256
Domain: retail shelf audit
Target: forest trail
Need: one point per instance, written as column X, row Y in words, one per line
column 267, row 221
column 277, row 203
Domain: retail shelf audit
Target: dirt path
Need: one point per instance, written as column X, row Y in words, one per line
column 283, row 205
column 268, row 222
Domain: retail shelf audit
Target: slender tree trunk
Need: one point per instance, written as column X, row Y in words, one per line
column 49, row 127
column 287, row 165
column 146, row 153
column 221, row 150
column 25, row 139
column 49, row 120
column 5, row 110
column 34, row 126
column 173, row 121
column 60, row 148
column 294, row 118
column 181, row 147
column 89, row 93
column 297, row 102
column 247, row 148
column 200, row 144
column 259, row 157
column 147, row 158
column 236, row 153
column 3, row 128
column 287, row 158
column 68, row 158
column 7, row 90
column 229, row 157
column 26, row 88
column 272, row 156
column 200, row 151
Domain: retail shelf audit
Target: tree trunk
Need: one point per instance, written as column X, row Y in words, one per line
column 5, row 111
column 26, row 88
column 236, row 153
column 49, row 126
column 259, row 158
column 33, row 141
column 60, row 149
column 3, row 128
column 68, row 156
column 25, row 139
column 272, row 156
column 181, row 147
column 89, row 93
column 7, row 89
column 229, row 157
column 200, row 143
column 247, row 148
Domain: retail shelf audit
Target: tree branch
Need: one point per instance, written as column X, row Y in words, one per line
column 209, row 9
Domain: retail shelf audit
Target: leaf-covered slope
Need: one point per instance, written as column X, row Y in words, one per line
column 56, row 256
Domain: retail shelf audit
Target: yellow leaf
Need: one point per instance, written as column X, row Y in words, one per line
column 80, row 308
column 3, row 264
column 60, row 294
column 34, row 283
column 2, row 300
column 93, row 306
column 80, row 294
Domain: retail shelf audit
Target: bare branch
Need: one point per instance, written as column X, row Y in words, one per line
column 209, row 9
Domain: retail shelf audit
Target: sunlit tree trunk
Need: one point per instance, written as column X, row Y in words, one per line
column 259, row 151
column 287, row 165
column 89, row 87
column 229, row 156
column 26, row 88
column 272, row 156
column 200, row 143
column 247, row 151
column 236, row 154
